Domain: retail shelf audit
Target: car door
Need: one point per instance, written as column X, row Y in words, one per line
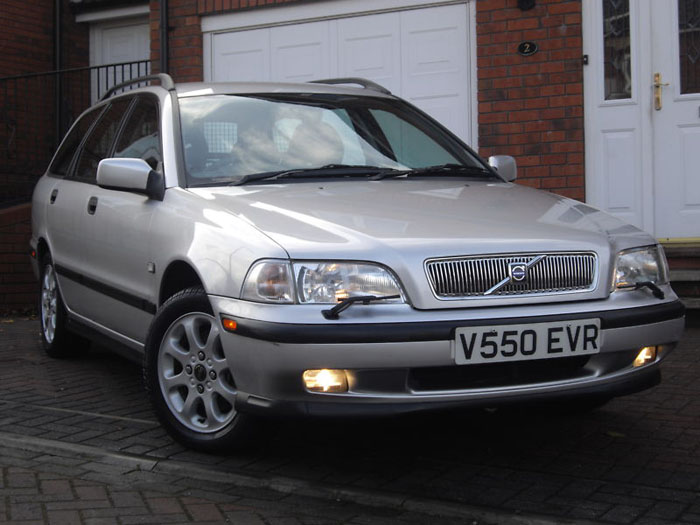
column 70, row 217
column 65, row 210
column 119, row 256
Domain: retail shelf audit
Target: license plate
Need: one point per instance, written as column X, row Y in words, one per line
column 519, row 342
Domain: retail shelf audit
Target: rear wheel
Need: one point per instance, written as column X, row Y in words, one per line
column 191, row 386
column 57, row 340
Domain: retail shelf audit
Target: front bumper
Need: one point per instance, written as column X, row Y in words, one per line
column 396, row 367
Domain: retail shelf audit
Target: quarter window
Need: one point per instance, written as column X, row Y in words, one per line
column 98, row 144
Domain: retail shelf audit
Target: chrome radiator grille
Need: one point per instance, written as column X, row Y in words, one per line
column 487, row 276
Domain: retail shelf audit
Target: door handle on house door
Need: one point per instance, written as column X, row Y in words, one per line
column 658, row 86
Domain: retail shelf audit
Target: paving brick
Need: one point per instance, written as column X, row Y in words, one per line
column 203, row 512
column 62, row 517
column 634, row 461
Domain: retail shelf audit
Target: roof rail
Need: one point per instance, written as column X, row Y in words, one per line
column 166, row 81
column 367, row 84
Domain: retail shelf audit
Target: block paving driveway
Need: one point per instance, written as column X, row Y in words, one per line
column 79, row 443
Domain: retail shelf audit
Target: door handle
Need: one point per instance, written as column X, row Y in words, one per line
column 54, row 194
column 658, row 86
column 92, row 205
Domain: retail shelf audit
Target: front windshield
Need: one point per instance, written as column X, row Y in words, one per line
column 227, row 137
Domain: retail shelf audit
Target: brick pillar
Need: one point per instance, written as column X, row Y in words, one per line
column 532, row 107
column 185, row 40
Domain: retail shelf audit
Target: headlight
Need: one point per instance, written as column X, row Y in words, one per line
column 330, row 282
column 320, row 282
column 640, row 265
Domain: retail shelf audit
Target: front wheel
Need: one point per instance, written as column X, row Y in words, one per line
column 191, row 385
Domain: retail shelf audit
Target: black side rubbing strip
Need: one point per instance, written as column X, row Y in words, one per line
column 110, row 291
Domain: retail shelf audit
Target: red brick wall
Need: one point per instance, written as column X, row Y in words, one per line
column 532, row 107
column 185, row 42
column 27, row 128
column 18, row 288
column 206, row 7
column 26, row 38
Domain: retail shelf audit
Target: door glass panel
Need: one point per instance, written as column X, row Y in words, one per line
column 616, row 43
column 99, row 142
column 140, row 137
column 689, row 44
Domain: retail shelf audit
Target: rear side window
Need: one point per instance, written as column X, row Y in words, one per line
column 140, row 137
column 99, row 143
column 64, row 155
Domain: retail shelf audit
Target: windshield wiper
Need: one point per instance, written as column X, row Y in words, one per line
column 332, row 313
column 655, row 290
column 344, row 170
column 456, row 169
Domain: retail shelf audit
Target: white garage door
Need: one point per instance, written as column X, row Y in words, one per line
column 421, row 54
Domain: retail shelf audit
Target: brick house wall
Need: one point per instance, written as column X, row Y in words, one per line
column 532, row 107
column 26, row 46
column 18, row 288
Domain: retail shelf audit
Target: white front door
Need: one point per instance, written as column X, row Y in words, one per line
column 643, row 136
column 421, row 54
column 676, row 117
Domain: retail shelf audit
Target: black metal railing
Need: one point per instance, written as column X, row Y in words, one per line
column 37, row 109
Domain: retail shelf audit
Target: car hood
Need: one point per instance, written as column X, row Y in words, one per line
column 401, row 223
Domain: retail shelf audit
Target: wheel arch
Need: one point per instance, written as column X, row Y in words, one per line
column 42, row 248
column 179, row 275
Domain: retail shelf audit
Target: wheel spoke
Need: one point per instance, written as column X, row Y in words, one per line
column 172, row 348
column 222, row 388
column 192, row 334
column 188, row 409
column 219, row 365
column 212, row 341
column 175, row 381
column 212, row 409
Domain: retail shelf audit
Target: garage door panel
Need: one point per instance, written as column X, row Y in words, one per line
column 442, row 110
column 435, row 66
column 420, row 54
column 435, row 50
column 301, row 52
column 241, row 56
column 369, row 47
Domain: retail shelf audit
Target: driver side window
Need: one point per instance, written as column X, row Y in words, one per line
column 140, row 137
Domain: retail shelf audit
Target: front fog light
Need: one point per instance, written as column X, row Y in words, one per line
column 646, row 355
column 326, row 380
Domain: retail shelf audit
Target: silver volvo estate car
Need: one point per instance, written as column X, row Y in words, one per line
column 324, row 249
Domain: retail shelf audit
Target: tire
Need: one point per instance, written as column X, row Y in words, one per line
column 186, row 373
column 58, row 342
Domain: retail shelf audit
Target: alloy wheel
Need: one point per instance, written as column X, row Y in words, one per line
column 194, row 376
column 49, row 302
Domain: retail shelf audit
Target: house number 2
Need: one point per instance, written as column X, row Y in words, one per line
column 527, row 48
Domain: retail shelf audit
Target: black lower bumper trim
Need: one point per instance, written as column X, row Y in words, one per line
column 636, row 382
column 330, row 333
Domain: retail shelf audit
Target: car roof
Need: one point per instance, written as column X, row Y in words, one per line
column 192, row 89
